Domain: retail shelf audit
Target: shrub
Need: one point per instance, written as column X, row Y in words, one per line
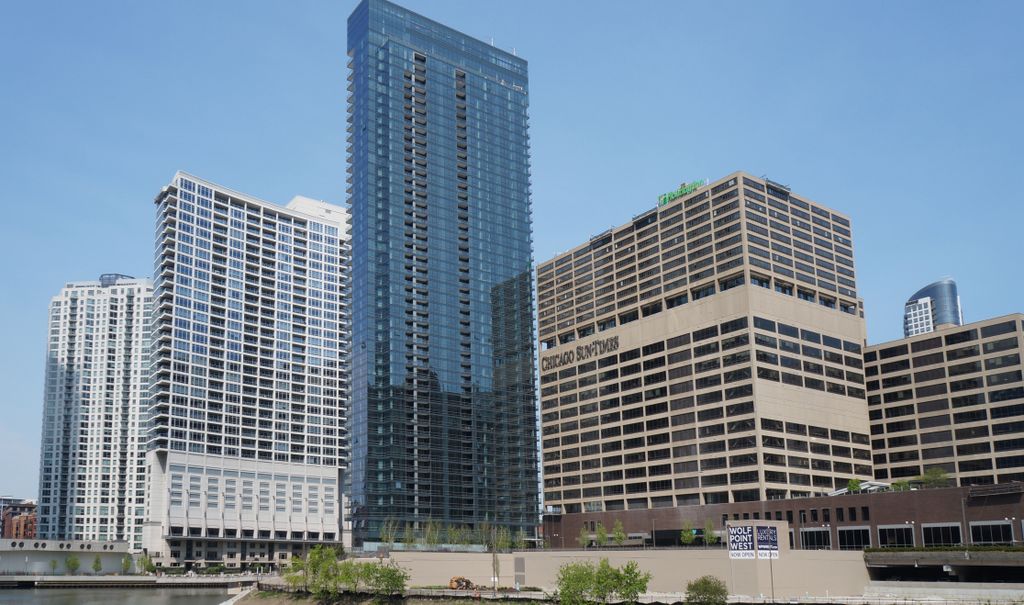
column 632, row 582
column 583, row 582
column 600, row 535
column 706, row 590
column 687, row 535
column 574, row 583
column 126, row 564
column 72, row 563
column 386, row 580
column 97, row 565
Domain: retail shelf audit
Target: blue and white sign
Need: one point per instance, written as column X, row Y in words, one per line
column 767, row 542
column 741, row 542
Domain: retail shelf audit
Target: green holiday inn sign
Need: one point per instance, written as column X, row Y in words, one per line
column 685, row 188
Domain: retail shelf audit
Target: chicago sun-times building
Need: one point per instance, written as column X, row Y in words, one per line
column 708, row 351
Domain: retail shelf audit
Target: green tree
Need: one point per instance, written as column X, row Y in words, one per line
column 451, row 533
column 296, row 576
column 618, row 533
column 97, row 565
column 900, row 486
column 502, row 539
column 53, row 566
column 389, row 532
column 706, row 590
column 519, row 541
column 352, row 575
column 687, row 535
column 600, row 535
column 934, row 477
column 322, row 572
column 432, row 533
column 631, row 582
column 574, row 583
column 147, row 564
column 710, row 537
column 72, row 563
column 386, row 580
column 126, row 564
column 605, row 580
column 408, row 535
column 853, row 485
column 584, row 538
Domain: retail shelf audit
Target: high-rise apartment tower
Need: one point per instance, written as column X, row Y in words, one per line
column 247, row 439
column 706, row 352
column 933, row 307
column 92, row 460
column 443, row 407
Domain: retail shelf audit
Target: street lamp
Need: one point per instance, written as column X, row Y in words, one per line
column 1012, row 521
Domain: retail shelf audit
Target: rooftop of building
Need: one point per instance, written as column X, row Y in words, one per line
column 948, row 329
column 686, row 192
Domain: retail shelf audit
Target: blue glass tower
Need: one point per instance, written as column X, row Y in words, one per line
column 443, row 414
column 934, row 305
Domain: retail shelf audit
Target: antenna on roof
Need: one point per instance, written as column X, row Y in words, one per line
column 514, row 52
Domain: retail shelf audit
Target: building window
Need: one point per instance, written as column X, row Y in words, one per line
column 901, row 536
column 995, row 532
column 854, row 538
column 941, row 535
column 816, row 539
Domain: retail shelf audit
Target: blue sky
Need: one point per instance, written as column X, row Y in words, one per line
column 904, row 115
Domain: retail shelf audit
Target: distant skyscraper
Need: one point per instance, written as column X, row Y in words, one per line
column 247, row 439
column 931, row 307
column 444, row 412
column 92, row 461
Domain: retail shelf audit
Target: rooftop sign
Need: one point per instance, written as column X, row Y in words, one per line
column 685, row 188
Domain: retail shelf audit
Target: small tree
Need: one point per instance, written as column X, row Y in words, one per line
column 584, row 538
column 934, row 477
column 600, row 535
column 618, row 533
column 687, row 535
column 321, row 570
column 710, row 537
column 296, row 576
column 632, row 582
column 353, row 574
column 605, row 581
column 126, row 564
column 502, row 539
column 853, row 485
column 388, row 532
column 519, row 541
column 53, row 566
column 451, row 533
column 97, row 565
column 706, row 590
column 386, row 580
column 574, row 583
column 72, row 563
column 432, row 533
column 148, row 565
column 408, row 534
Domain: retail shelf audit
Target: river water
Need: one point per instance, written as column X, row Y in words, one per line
column 114, row 596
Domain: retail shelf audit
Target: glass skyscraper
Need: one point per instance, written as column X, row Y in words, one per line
column 443, row 422
column 934, row 305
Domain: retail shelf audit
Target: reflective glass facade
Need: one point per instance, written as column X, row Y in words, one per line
column 443, row 409
column 934, row 305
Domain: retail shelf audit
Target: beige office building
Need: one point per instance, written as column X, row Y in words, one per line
column 708, row 351
column 952, row 399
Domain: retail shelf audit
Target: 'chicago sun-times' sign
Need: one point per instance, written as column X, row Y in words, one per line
column 580, row 353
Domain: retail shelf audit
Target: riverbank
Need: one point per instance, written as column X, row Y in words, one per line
column 33, row 581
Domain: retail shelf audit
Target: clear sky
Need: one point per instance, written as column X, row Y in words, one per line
column 905, row 115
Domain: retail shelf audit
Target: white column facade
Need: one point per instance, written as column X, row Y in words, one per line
column 247, row 437
column 92, row 461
